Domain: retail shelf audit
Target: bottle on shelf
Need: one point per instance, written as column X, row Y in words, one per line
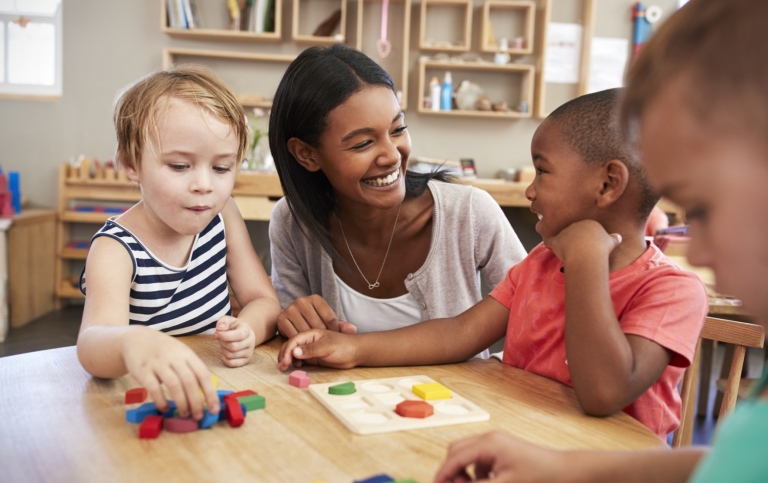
column 446, row 95
column 434, row 94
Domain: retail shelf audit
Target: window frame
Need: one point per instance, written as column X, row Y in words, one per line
column 33, row 91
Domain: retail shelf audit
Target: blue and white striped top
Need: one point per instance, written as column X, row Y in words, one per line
column 178, row 301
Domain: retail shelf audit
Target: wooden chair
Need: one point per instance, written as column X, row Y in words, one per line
column 741, row 335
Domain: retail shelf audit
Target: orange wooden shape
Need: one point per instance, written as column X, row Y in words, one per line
column 414, row 409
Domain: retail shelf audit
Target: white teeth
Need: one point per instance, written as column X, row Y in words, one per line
column 539, row 215
column 384, row 181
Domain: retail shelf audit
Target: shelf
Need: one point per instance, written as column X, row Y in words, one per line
column 268, row 83
column 66, row 290
column 74, row 253
column 219, row 12
column 511, row 20
column 444, row 25
column 305, row 9
column 79, row 217
column 518, row 89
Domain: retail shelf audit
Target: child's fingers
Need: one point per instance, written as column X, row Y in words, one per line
column 204, row 381
column 225, row 322
column 245, row 352
column 151, row 383
column 285, row 356
column 237, row 331
column 175, row 387
column 236, row 362
column 347, row 328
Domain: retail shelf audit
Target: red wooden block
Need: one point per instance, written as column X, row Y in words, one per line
column 414, row 409
column 235, row 416
column 181, row 425
column 151, row 426
column 135, row 395
column 237, row 395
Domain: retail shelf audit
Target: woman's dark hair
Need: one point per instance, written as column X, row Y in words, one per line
column 319, row 80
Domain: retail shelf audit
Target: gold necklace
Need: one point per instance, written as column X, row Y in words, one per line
column 375, row 284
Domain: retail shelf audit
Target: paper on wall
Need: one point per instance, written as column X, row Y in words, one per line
column 561, row 64
column 608, row 58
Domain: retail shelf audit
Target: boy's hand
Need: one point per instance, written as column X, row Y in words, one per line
column 582, row 237
column 318, row 347
column 155, row 359
column 312, row 312
column 236, row 339
column 500, row 457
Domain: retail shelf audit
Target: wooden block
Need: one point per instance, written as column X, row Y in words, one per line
column 235, row 416
column 299, row 379
column 343, row 389
column 253, row 402
column 181, row 425
column 171, row 411
column 140, row 413
column 371, row 409
column 432, row 390
column 381, row 478
column 135, row 395
column 151, row 426
column 414, row 409
column 208, row 419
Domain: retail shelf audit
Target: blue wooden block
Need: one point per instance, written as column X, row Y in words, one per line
column 222, row 393
column 208, row 419
column 138, row 414
column 382, row 478
column 113, row 210
column 171, row 408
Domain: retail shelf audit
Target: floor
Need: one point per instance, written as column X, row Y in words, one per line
column 59, row 329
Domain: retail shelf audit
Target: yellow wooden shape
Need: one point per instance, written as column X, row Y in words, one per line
column 431, row 390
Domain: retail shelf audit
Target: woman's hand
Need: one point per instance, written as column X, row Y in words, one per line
column 236, row 339
column 307, row 313
column 156, row 359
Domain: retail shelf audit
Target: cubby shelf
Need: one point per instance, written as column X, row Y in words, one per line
column 523, row 71
column 223, row 34
column 299, row 37
column 443, row 45
column 525, row 10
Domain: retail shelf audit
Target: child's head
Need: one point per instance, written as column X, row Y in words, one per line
column 584, row 169
column 318, row 81
column 696, row 104
column 141, row 104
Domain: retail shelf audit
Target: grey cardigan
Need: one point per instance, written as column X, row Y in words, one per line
column 470, row 234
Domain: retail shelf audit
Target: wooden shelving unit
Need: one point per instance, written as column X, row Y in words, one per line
column 223, row 34
column 77, row 187
column 297, row 29
column 524, row 75
column 523, row 11
column 173, row 55
column 463, row 7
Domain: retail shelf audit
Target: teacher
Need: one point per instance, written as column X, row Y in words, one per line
column 359, row 243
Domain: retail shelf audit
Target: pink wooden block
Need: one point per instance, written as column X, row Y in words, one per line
column 181, row 425
column 299, row 379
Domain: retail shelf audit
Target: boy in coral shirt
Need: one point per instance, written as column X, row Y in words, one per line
column 594, row 306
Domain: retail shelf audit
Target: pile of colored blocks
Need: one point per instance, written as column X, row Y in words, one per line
column 234, row 406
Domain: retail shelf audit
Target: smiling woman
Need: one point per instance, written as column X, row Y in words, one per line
column 359, row 243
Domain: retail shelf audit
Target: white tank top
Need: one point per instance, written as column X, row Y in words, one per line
column 381, row 314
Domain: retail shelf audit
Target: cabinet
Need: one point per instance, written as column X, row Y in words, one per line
column 456, row 18
column 213, row 16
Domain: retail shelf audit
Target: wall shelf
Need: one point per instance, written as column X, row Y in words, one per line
column 518, row 20
column 305, row 9
column 519, row 89
column 222, row 34
column 461, row 7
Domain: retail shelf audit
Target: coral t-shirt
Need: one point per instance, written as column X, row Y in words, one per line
column 652, row 297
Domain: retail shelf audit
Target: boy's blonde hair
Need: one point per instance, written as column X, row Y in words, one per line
column 720, row 49
column 138, row 106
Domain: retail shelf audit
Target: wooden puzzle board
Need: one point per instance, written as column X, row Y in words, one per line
column 371, row 409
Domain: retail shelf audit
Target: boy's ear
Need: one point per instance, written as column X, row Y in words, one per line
column 615, row 181
column 132, row 173
column 304, row 154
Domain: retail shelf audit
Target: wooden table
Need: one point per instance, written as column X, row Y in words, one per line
column 57, row 423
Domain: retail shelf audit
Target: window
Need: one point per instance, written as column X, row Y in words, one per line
column 30, row 48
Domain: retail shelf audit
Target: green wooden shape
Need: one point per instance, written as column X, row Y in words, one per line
column 253, row 402
column 343, row 389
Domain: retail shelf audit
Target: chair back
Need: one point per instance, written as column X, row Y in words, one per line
column 741, row 335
